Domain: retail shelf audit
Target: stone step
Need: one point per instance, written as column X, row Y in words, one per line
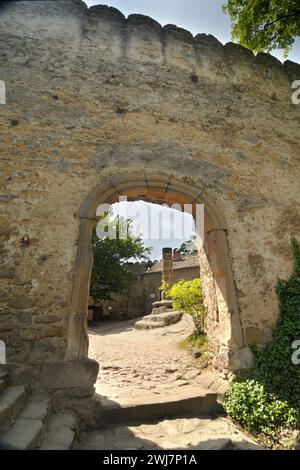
column 27, row 431
column 11, row 404
column 37, row 408
column 146, row 325
column 158, row 320
column 168, row 317
column 207, row 433
column 61, row 433
column 181, row 404
column 23, row 435
column 163, row 303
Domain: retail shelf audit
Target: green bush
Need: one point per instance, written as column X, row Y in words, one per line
column 268, row 397
column 253, row 407
column 187, row 297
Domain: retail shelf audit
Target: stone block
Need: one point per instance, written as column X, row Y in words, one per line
column 78, row 374
column 7, row 273
column 22, row 303
column 240, row 359
column 255, row 336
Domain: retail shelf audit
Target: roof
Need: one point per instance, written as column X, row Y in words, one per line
column 188, row 262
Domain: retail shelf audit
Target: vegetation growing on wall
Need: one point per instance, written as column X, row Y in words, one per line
column 267, row 399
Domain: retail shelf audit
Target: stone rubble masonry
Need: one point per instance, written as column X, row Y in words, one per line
column 91, row 96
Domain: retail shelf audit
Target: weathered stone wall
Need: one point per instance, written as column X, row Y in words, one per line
column 91, row 95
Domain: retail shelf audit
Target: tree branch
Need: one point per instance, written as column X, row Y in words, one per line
column 279, row 18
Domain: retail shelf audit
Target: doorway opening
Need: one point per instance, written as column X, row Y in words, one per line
column 142, row 349
column 224, row 329
column 127, row 271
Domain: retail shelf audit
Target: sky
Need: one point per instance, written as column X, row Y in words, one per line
column 159, row 226
column 197, row 16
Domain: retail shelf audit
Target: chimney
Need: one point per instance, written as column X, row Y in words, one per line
column 177, row 255
column 167, row 271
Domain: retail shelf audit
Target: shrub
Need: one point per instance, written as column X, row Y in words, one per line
column 256, row 409
column 268, row 397
column 187, row 297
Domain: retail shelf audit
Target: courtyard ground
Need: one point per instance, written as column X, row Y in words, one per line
column 142, row 363
column 139, row 365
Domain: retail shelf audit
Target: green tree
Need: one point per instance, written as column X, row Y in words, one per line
column 187, row 297
column 110, row 273
column 189, row 248
column 263, row 25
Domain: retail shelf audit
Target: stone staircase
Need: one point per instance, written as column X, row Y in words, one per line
column 162, row 315
column 182, row 421
column 158, row 320
column 27, row 421
column 181, row 403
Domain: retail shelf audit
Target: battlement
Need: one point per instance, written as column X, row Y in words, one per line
column 105, row 30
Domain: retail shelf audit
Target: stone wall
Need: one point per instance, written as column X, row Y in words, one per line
column 92, row 95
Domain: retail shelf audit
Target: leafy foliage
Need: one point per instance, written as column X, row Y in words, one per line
column 263, row 25
column 187, row 297
column 269, row 396
column 189, row 248
column 253, row 407
column 110, row 271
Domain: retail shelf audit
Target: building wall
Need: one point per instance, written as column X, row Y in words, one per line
column 91, row 95
column 144, row 291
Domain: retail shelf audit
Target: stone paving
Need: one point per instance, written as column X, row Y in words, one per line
column 188, row 433
column 136, row 363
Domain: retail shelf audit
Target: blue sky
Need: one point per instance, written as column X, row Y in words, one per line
column 197, row 16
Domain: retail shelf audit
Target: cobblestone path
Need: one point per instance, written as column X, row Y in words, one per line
column 136, row 363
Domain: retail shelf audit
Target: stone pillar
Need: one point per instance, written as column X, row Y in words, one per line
column 167, row 270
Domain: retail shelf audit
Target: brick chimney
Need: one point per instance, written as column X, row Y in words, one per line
column 167, row 272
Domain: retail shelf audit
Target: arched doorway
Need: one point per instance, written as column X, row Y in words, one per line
column 224, row 328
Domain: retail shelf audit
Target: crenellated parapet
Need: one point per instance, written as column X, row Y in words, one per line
column 105, row 32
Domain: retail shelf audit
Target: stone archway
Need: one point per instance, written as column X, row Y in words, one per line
column 225, row 329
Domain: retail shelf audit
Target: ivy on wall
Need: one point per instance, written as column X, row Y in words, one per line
column 267, row 399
